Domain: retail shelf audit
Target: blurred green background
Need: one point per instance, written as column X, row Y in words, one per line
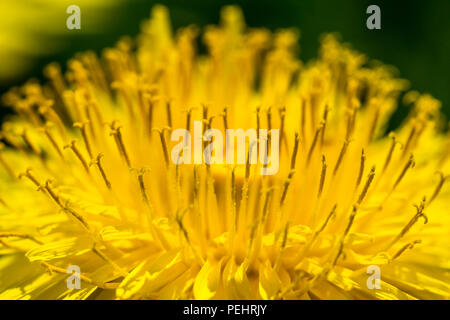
column 415, row 35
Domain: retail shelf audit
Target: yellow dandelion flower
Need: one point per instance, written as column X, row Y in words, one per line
column 88, row 181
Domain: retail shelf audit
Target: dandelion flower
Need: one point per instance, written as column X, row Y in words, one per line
column 87, row 178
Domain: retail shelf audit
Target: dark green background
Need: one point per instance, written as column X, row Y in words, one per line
column 415, row 35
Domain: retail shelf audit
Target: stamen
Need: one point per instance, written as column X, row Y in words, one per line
column 409, row 164
column 404, row 248
column 225, row 117
column 249, row 157
column 412, row 222
column 391, row 151
column 322, row 176
column 52, row 140
column 351, row 220
column 150, row 112
column 163, row 144
column 67, row 209
column 122, row 272
column 442, row 180
column 324, row 121
column 325, row 223
column 115, row 131
column 269, row 118
column 47, row 187
column 361, row 168
column 268, row 193
column 294, row 153
column 409, row 140
column 169, row 113
column 303, row 117
column 347, row 230
column 126, row 98
column 367, row 185
column 373, row 127
column 188, row 119
column 314, row 142
column 316, row 234
column 258, row 120
column 283, row 245
column 30, row 176
column 19, row 235
column 233, row 196
column 4, row 135
column 100, row 168
column 341, row 156
column 50, row 114
column 140, row 175
column 292, row 171
column 282, row 112
column 6, row 165
column 82, row 127
column 77, row 152
column 30, row 145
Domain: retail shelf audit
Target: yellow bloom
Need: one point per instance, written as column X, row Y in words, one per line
column 87, row 178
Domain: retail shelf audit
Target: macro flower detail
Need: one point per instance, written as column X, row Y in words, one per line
column 87, row 177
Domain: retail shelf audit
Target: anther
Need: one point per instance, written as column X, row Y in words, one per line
column 325, row 223
column 341, row 156
column 249, row 157
column 411, row 223
column 303, row 117
column 442, row 180
column 51, row 192
column 294, row 153
column 292, row 171
column 409, row 164
column 404, row 248
column 115, row 132
column 163, row 143
column 258, row 120
column 322, row 176
column 97, row 162
column 282, row 112
column 268, row 192
column 361, row 168
column 6, row 165
column 367, row 185
column 140, row 175
column 324, row 120
column 373, row 127
column 286, row 185
column 30, row 176
column 30, row 145
column 52, row 140
column 409, row 140
column 82, row 127
column 169, row 113
column 391, row 151
column 269, row 118
column 78, row 154
column 67, row 209
column 314, row 142
column 351, row 220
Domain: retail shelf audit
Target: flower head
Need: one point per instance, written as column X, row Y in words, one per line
column 87, row 176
